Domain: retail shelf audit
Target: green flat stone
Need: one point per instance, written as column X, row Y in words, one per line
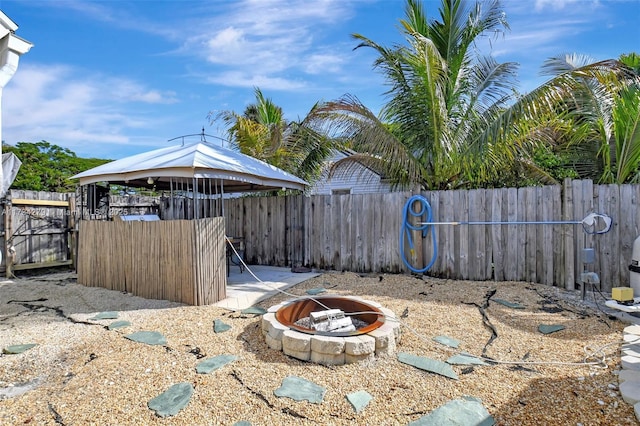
column 300, row 389
column 447, row 341
column 508, row 304
column 314, row 291
column 457, row 412
column 148, row 337
column 465, row 359
column 174, row 399
column 428, row 364
column 254, row 310
column 211, row 364
column 550, row 328
column 220, row 327
column 105, row 315
column 18, row 349
column 242, row 423
column 118, row 324
column 359, row 400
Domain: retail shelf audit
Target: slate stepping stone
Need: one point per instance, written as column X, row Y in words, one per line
column 211, row 364
column 447, row 341
column 220, row 327
column 118, row 324
column 465, row 359
column 171, row 401
column 314, row 291
column 508, row 304
column 148, row 337
column 17, row 349
column 242, row 423
column 550, row 328
column 457, row 412
column 428, row 364
column 359, row 400
column 254, row 310
column 300, row 389
column 105, row 315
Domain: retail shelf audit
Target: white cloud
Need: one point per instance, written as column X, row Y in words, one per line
column 52, row 103
column 322, row 63
column 243, row 79
column 268, row 40
column 556, row 5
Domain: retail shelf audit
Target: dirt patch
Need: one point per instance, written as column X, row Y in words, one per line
column 81, row 372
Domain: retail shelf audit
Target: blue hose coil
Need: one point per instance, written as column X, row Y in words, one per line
column 426, row 228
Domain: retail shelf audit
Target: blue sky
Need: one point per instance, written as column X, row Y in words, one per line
column 112, row 78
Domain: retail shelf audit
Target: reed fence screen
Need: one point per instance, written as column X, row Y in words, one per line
column 177, row 260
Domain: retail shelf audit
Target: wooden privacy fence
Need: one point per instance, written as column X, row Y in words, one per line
column 178, row 260
column 39, row 228
column 360, row 233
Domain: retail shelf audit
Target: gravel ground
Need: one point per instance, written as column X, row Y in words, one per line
column 82, row 373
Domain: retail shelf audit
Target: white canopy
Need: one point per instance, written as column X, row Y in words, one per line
column 184, row 163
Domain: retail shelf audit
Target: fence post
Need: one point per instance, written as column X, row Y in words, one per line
column 7, row 238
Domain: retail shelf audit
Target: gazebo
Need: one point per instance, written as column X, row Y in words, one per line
column 179, row 255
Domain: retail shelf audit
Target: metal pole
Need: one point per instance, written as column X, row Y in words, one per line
column 564, row 222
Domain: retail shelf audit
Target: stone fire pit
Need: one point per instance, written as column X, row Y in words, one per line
column 378, row 337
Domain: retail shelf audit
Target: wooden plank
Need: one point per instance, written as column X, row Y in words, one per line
column 429, row 252
column 607, row 246
column 568, row 232
column 629, row 228
column 362, row 263
column 446, row 236
column 25, row 202
column 497, row 248
column 520, row 237
column 557, row 251
column 376, row 235
column 26, row 266
column 474, row 234
column 335, row 232
column 346, row 247
column 461, row 233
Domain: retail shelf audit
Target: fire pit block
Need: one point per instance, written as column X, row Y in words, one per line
column 327, row 359
column 377, row 333
column 360, row 345
column 327, row 345
column 297, row 345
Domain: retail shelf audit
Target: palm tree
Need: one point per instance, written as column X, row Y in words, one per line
column 263, row 132
column 600, row 108
column 441, row 96
column 454, row 117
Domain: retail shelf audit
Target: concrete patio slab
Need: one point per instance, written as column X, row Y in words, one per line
column 244, row 290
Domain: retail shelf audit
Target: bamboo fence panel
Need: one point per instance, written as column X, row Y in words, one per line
column 179, row 260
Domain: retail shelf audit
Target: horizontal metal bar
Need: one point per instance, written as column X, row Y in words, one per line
column 563, row 222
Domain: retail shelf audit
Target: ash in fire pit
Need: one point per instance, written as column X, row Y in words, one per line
column 331, row 330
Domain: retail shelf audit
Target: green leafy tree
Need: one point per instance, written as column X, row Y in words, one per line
column 601, row 115
column 48, row 167
column 454, row 117
column 442, row 94
column 263, row 133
